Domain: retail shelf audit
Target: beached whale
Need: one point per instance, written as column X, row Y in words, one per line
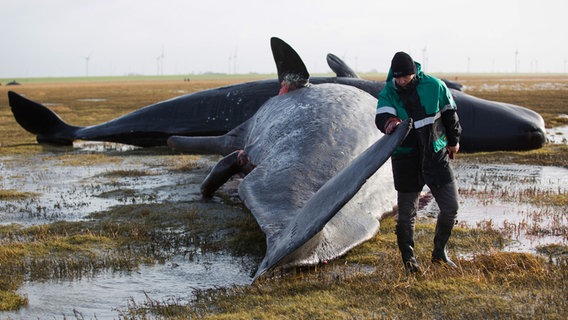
column 487, row 125
column 315, row 180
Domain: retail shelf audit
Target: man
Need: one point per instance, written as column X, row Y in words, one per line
column 423, row 157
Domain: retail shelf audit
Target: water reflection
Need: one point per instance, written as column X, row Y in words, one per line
column 106, row 294
column 506, row 198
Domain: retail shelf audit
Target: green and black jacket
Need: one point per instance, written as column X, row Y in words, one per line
column 422, row 157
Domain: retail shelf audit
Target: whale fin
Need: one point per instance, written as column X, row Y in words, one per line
column 223, row 145
column 453, row 85
column 288, row 63
column 41, row 121
column 340, row 68
column 330, row 198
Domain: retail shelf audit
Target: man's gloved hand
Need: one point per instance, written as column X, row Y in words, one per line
column 452, row 150
column 391, row 124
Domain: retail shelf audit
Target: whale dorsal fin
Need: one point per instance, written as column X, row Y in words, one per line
column 288, row 63
column 340, row 68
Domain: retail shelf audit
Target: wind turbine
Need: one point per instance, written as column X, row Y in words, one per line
column 87, row 58
column 516, row 61
column 160, row 62
column 424, row 58
column 235, row 60
column 230, row 63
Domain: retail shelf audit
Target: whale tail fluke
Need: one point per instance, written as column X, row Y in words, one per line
column 41, row 121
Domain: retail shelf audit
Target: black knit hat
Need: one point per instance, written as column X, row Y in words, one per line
column 402, row 65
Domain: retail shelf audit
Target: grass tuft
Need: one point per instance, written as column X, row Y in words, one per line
column 7, row 195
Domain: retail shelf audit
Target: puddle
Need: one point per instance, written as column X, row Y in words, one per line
column 71, row 192
column 498, row 196
column 557, row 135
column 112, row 292
column 92, row 100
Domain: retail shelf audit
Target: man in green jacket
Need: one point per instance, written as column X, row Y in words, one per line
column 423, row 157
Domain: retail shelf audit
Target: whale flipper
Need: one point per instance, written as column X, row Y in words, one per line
column 330, row 198
column 38, row 119
column 230, row 165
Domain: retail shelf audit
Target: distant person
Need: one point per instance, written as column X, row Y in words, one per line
column 423, row 157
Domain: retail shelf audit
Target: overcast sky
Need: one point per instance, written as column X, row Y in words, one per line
column 53, row 38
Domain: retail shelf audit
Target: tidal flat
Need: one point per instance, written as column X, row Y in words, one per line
column 102, row 230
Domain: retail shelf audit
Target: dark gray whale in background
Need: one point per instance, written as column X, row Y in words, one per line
column 315, row 179
column 487, row 125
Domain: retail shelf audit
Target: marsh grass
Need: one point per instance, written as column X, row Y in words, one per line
column 185, row 163
column 131, row 173
column 551, row 104
column 560, row 199
column 10, row 194
column 89, row 159
column 549, row 155
column 369, row 283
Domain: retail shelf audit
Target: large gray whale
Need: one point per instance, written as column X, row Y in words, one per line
column 296, row 143
column 315, row 179
column 487, row 125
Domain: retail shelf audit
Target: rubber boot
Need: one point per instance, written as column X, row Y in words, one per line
column 405, row 240
column 443, row 232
